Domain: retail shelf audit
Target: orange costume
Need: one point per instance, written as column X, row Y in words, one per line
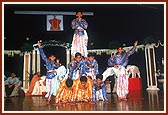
column 32, row 84
column 64, row 93
column 83, row 93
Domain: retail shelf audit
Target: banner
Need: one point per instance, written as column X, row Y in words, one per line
column 55, row 23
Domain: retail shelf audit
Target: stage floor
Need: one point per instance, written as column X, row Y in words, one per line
column 138, row 100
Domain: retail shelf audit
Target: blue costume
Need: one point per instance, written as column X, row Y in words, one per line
column 50, row 65
column 121, row 82
column 52, row 79
column 121, row 59
column 92, row 68
column 101, row 87
column 77, row 69
column 80, row 37
column 79, row 26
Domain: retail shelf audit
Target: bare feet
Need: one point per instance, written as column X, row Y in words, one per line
column 58, row 104
column 85, row 100
column 93, row 102
column 122, row 99
column 72, row 103
column 119, row 98
column 106, row 102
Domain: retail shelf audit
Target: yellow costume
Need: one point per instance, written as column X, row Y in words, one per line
column 83, row 93
column 64, row 93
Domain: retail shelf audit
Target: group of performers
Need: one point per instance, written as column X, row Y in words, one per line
column 81, row 81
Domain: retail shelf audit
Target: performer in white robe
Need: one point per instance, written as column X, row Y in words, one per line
column 118, row 63
column 80, row 37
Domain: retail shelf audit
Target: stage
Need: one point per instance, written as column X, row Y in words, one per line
column 138, row 101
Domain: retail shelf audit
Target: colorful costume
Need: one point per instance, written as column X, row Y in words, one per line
column 32, row 84
column 77, row 69
column 59, row 77
column 64, row 93
column 39, row 87
column 80, row 37
column 120, row 59
column 92, row 68
column 83, row 93
column 122, row 80
column 99, row 91
column 50, row 75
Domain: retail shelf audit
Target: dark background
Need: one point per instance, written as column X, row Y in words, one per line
column 111, row 24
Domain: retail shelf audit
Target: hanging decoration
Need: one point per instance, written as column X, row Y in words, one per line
column 53, row 43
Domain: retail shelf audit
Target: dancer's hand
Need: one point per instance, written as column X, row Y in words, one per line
column 39, row 44
column 135, row 43
column 116, row 65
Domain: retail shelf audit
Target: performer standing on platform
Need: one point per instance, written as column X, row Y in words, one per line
column 118, row 63
column 92, row 66
column 80, row 37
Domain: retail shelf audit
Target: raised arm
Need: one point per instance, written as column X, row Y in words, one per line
column 132, row 51
column 42, row 54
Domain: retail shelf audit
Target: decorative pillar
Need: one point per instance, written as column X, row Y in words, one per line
column 153, row 100
column 26, row 70
column 35, row 61
column 67, row 56
column 151, row 67
column 38, row 61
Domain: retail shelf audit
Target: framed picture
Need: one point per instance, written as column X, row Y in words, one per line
column 55, row 23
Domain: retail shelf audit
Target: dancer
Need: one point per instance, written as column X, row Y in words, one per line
column 58, row 79
column 99, row 89
column 118, row 63
column 50, row 66
column 92, row 66
column 77, row 67
column 65, row 92
column 83, row 90
column 80, row 37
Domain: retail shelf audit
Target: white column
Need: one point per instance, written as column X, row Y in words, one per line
column 153, row 100
column 38, row 61
column 26, row 71
column 33, row 61
column 151, row 67
column 67, row 57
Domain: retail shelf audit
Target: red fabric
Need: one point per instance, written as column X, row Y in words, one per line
column 134, row 95
column 44, row 93
column 44, row 83
column 134, row 83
